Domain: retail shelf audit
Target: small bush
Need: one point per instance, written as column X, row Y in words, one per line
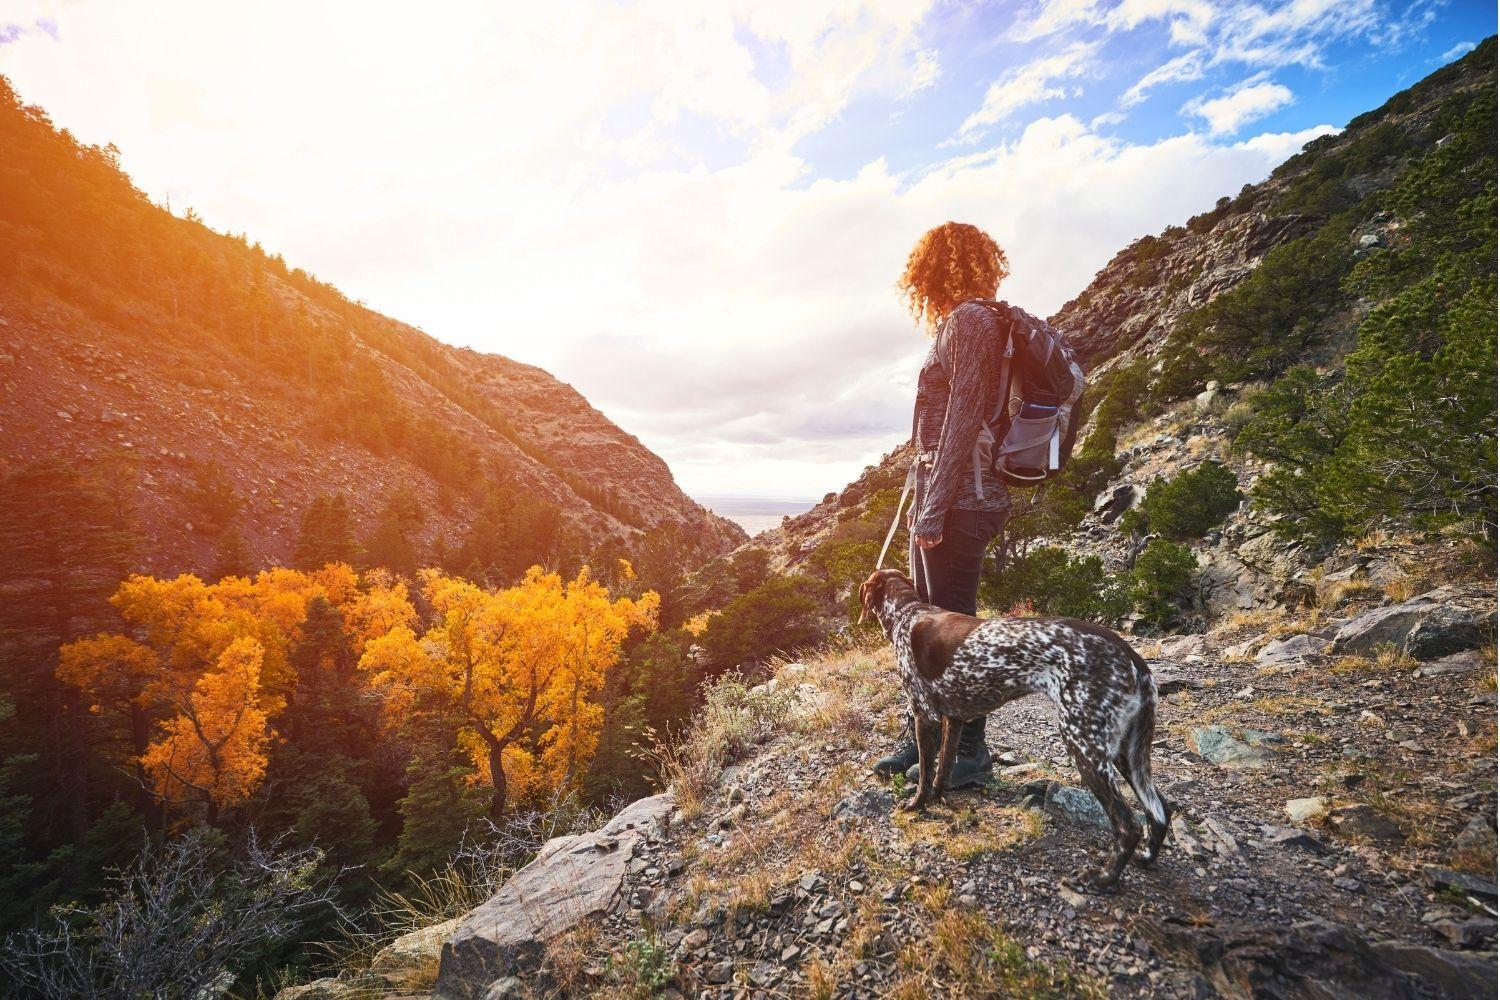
column 1187, row 505
column 1053, row 582
column 1161, row 580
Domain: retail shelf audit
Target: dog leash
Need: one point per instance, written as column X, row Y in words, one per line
column 911, row 475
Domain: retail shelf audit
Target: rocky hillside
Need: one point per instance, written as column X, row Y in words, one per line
column 1184, row 333
column 146, row 347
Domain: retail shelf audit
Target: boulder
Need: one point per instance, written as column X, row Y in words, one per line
column 327, row 988
column 1178, row 647
column 1317, row 958
column 1111, row 503
column 1217, row 745
column 411, row 960
column 1078, row 805
column 571, row 878
column 1293, row 649
column 1367, row 823
column 1444, row 621
column 1302, row 810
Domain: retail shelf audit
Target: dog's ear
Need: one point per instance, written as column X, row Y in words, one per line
column 873, row 585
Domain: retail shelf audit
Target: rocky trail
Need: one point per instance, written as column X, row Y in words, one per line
column 1334, row 836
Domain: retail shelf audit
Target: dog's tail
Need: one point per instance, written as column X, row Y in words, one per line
column 1135, row 759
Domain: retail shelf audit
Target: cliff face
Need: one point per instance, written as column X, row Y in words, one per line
column 145, row 347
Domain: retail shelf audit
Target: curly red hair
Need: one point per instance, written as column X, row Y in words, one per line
column 950, row 264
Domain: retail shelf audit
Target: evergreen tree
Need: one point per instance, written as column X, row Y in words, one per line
column 395, row 542
column 327, row 534
column 233, row 556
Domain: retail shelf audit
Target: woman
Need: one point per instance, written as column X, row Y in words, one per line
column 960, row 505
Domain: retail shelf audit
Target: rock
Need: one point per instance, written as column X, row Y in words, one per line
column 1217, row 746
column 1183, row 837
column 411, row 959
column 868, row 803
column 1316, row 958
column 570, row 879
column 509, row 988
column 1449, row 630
column 695, row 940
column 1170, row 683
column 1291, row 650
column 327, row 988
column 1462, row 882
column 1467, row 662
column 1443, row 621
column 1076, row 900
column 1111, row 503
column 1475, row 842
column 1465, row 933
column 1204, row 401
column 1284, row 836
column 1182, row 646
column 1366, row 823
column 1455, row 976
column 1302, row 810
column 1078, row 805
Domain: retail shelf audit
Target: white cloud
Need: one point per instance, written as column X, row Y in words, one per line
column 531, row 180
column 1052, row 16
column 1250, row 101
column 1462, row 48
column 1030, row 83
column 1186, row 67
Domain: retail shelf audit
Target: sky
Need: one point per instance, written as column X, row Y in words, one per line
column 695, row 212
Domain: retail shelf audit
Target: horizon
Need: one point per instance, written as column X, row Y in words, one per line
column 739, row 187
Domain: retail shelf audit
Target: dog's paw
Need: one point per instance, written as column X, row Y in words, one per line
column 913, row 802
column 1095, row 880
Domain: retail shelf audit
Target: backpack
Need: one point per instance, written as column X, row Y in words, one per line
column 1029, row 436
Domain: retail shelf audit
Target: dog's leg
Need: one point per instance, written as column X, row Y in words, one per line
column 951, row 728
column 926, row 732
column 1092, row 762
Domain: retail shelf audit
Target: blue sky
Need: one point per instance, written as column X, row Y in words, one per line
column 695, row 212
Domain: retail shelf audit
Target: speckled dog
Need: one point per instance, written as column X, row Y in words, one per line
column 955, row 668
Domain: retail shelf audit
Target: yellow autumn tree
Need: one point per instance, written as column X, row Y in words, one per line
column 516, row 670
column 214, row 749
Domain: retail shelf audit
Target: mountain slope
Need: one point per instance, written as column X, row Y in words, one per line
column 146, row 346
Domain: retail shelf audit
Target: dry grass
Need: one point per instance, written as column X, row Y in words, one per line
column 857, row 683
column 971, row 831
column 963, row 953
column 1387, row 659
column 735, row 718
column 1341, row 592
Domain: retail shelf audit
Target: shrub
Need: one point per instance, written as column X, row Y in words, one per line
column 779, row 616
column 1160, row 581
column 1187, row 505
column 1054, row 582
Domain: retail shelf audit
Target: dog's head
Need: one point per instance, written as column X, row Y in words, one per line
column 872, row 592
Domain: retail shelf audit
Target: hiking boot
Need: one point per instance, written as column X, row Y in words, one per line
column 972, row 764
column 903, row 757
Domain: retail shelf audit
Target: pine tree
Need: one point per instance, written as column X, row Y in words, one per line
column 327, row 534
column 395, row 542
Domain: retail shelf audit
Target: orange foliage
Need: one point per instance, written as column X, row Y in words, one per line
column 507, row 664
column 216, row 747
column 512, row 675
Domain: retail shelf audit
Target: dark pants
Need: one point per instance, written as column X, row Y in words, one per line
column 948, row 575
